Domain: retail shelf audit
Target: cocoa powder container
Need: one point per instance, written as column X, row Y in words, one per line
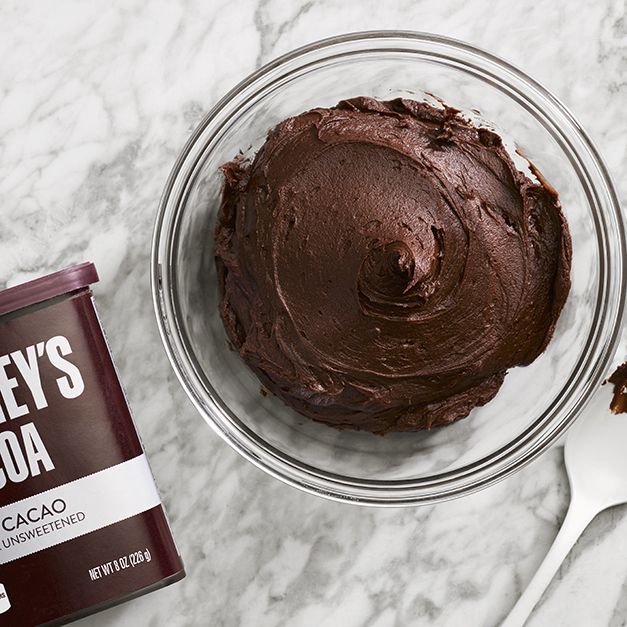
column 82, row 527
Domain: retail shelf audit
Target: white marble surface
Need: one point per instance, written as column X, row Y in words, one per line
column 95, row 103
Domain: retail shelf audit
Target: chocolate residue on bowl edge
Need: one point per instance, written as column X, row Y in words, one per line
column 383, row 264
column 619, row 380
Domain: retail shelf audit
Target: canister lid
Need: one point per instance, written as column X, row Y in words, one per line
column 50, row 286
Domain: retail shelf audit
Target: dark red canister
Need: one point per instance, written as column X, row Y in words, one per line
column 82, row 527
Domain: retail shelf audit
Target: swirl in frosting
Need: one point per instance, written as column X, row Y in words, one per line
column 383, row 264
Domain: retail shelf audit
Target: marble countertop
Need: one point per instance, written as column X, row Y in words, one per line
column 95, row 105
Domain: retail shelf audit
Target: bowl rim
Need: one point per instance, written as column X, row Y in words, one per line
column 314, row 480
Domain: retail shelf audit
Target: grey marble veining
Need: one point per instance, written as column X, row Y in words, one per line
column 95, row 103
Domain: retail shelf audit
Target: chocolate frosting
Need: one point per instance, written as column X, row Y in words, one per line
column 619, row 397
column 383, row 264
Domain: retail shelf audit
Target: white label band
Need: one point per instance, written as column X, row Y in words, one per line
column 76, row 508
column 5, row 604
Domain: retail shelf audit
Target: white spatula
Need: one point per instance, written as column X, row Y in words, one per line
column 596, row 461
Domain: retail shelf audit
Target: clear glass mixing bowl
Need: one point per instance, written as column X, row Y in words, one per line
column 535, row 405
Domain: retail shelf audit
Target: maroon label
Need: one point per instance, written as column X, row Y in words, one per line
column 64, row 418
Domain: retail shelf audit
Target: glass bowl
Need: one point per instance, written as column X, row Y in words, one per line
column 536, row 403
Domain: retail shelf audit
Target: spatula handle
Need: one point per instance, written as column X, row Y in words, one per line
column 577, row 519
